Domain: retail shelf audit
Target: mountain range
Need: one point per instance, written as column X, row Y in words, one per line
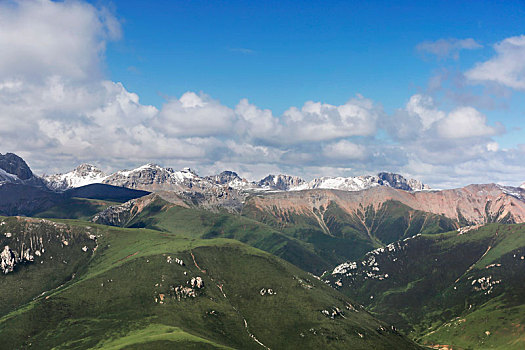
column 374, row 261
column 155, row 177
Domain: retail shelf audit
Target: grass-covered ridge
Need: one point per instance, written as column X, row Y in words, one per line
column 464, row 290
column 115, row 300
column 338, row 235
column 198, row 223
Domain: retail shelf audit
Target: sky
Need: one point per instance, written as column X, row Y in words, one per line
column 433, row 90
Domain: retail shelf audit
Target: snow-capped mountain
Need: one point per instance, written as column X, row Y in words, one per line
column 523, row 185
column 359, row 183
column 152, row 177
column 15, row 170
column 84, row 174
column 230, row 179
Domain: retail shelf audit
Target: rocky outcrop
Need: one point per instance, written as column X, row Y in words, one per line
column 182, row 292
column 25, row 240
column 400, row 182
column 151, row 177
column 197, row 282
column 8, row 260
column 13, row 164
column 281, row 182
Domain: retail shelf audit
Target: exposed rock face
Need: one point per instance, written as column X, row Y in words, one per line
column 399, row 182
column 474, row 204
column 197, row 282
column 14, row 170
column 8, row 260
column 151, row 177
column 15, row 165
column 281, row 182
column 224, row 178
column 24, row 240
column 83, row 175
column 359, row 183
column 121, row 215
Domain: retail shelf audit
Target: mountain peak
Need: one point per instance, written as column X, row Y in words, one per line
column 400, row 182
column 14, row 165
column 281, row 182
column 86, row 168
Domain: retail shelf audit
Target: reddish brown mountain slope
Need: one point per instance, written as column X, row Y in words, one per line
column 473, row 204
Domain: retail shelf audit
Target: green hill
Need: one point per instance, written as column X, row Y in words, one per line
column 152, row 212
column 132, row 291
column 338, row 235
column 464, row 290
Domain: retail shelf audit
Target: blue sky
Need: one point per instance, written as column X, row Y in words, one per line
column 431, row 89
column 278, row 54
column 320, row 50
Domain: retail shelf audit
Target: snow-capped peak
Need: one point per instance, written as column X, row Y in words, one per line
column 522, row 185
column 84, row 174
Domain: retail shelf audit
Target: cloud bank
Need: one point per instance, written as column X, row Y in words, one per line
column 57, row 110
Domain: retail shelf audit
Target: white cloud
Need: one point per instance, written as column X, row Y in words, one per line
column 492, row 146
column 506, row 68
column 42, row 38
column 423, row 107
column 256, row 123
column 344, row 149
column 194, row 115
column 444, row 48
column 317, row 121
column 465, row 122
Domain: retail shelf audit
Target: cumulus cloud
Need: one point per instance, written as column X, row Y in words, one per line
column 506, row 68
column 194, row 115
column 445, row 48
column 424, row 108
column 344, row 149
column 317, row 121
column 42, row 38
column 465, row 122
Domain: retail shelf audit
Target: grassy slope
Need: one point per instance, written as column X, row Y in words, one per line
column 349, row 236
column 431, row 288
column 111, row 304
column 57, row 265
column 75, row 208
column 204, row 224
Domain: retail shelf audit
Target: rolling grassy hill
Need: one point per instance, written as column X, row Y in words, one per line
column 464, row 290
column 314, row 241
column 140, row 288
column 153, row 212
